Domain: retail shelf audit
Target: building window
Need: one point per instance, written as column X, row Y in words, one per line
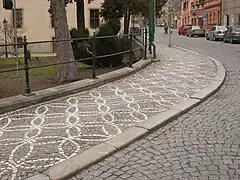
column 94, row 18
column 210, row 17
column 192, row 5
column 19, row 17
column 20, row 42
column 201, row 2
column 200, row 21
column 188, row 20
column 239, row 19
column 195, row 21
column 214, row 17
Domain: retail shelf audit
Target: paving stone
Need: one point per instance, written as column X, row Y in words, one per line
column 213, row 177
column 112, row 177
column 96, row 173
column 224, row 177
column 105, row 175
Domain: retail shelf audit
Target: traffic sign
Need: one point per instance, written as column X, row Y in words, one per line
column 205, row 15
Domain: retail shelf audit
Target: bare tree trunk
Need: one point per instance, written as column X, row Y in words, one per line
column 66, row 72
column 127, row 17
column 128, row 21
column 80, row 15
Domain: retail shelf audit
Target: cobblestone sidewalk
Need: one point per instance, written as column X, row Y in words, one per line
column 37, row 137
column 203, row 144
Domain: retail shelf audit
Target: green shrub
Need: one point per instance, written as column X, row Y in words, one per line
column 79, row 49
column 111, row 45
column 104, row 46
column 116, row 25
column 112, row 27
column 75, row 33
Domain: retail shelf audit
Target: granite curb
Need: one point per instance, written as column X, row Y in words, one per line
column 89, row 157
column 21, row 101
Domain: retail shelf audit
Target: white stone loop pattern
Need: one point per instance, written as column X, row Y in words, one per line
column 35, row 138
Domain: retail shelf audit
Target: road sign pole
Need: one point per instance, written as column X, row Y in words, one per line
column 169, row 26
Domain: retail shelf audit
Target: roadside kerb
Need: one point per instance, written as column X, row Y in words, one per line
column 20, row 101
column 92, row 156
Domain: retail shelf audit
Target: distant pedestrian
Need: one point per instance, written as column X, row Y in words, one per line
column 165, row 28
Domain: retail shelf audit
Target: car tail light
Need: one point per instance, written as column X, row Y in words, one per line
column 219, row 32
column 234, row 34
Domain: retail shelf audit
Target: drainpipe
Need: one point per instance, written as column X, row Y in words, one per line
column 221, row 12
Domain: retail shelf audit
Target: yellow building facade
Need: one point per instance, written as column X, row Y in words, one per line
column 35, row 22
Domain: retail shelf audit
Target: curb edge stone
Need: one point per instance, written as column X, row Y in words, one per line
column 81, row 161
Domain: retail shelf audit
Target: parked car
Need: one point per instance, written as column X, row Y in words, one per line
column 183, row 30
column 136, row 28
column 180, row 30
column 195, row 31
column 216, row 33
column 232, row 35
column 160, row 25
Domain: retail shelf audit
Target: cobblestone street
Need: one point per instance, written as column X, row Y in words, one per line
column 38, row 137
column 202, row 144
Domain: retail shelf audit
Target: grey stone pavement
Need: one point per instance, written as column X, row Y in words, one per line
column 34, row 138
column 202, row 144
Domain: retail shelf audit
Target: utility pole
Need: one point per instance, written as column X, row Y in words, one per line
column 169, row 25
column 15, row 32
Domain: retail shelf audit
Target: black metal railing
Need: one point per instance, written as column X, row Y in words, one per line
column 140, row 38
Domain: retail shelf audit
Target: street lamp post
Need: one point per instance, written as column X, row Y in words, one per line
column 15, row 31
column 5, row 36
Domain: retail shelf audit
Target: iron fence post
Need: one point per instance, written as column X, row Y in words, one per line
column 5, row 36
column 94, row 57
column 145, row 44
column 131, row 49
column 6, row 48
column 26, row 67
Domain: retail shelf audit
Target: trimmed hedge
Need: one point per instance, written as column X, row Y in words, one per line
column 78, row 46
column 104, row 46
